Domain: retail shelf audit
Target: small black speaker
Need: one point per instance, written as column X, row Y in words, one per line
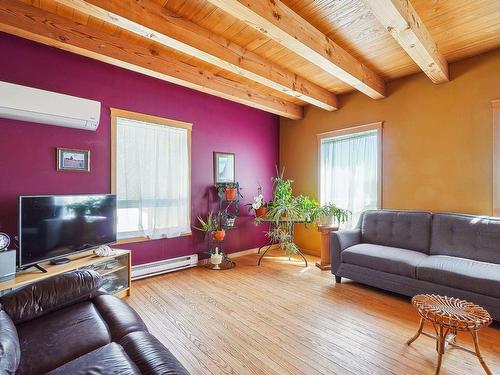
column 7, row 265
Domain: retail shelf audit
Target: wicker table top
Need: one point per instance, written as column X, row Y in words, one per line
column 451, row 312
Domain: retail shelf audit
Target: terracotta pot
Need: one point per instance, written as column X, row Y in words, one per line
column 219, row 235
column 231, row 193
column 262, row 211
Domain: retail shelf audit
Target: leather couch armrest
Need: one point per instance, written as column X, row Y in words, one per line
column 150, row 356
column 120, row 318
column 51, row 294
column 340, row 241
column 10, row 351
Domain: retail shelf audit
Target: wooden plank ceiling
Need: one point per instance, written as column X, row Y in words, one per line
column 269, row 54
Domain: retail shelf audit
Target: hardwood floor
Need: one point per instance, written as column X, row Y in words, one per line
column 283, row 318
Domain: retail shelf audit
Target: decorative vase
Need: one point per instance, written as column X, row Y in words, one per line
column 216, row 259
column 261, row 211
column 219, row 235
column 231, row 193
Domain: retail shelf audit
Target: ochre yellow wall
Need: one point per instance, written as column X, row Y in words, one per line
column 437, row 141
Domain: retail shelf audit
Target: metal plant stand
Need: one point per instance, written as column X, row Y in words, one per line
column 272, row 242
column 229, row 210
column 228, row 213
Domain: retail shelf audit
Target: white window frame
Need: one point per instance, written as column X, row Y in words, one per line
column 350, row 131
column 115, row 113
column 495, row 209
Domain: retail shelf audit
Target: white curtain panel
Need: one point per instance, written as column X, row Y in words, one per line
column 349, row 172
column 152, row 181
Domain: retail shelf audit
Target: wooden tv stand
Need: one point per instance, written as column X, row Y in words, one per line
column 115, row 269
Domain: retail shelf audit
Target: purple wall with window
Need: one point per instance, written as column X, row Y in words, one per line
column 28, row 157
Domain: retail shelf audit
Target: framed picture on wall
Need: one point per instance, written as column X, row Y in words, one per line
column 224, row 163
column 73, row 160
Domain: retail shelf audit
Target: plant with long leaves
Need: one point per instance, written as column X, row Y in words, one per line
column 210, row 224
column 309, row 208
column 282, row 188
column 284, row 212
column 339, row 215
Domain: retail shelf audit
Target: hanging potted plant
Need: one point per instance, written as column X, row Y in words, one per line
column 331, row 215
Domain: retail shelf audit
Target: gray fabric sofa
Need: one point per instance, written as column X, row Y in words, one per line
column 412, row 252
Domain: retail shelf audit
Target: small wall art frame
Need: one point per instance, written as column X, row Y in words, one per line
column 224, row 167
column 73, row 160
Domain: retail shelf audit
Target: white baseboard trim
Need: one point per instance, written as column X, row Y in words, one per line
column 237, row 254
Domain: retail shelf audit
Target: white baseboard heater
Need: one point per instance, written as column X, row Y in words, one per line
column 163, row 266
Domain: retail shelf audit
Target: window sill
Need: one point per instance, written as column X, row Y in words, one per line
column 144, row 239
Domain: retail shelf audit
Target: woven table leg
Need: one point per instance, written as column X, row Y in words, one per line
column 440, row 346
column 478, row 353
column 420, row 328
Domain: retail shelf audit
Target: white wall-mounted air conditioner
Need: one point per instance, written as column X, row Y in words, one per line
column 46, row 107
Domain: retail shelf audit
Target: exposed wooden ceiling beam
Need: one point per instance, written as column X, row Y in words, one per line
column 404, row 24
column 150, row 20
column 280, row 23
column 24, row 20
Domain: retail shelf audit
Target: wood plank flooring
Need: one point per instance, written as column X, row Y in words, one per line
column 283, row 318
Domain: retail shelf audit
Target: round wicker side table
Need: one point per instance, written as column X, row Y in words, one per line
column 448, row 316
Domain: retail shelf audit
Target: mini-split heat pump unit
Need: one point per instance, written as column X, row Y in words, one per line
column 46, row 107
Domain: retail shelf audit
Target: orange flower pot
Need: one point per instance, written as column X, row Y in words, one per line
column 261, row 211
column 231, row 193
column 219, row 235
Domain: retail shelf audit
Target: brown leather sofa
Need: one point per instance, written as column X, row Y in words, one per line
column 66, row 325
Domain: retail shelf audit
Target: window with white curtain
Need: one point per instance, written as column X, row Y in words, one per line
column 151, row 175
column 350, row 169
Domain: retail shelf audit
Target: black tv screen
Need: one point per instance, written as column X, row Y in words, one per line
column 54, row 226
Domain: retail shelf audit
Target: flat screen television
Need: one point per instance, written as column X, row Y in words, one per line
column 54, row 226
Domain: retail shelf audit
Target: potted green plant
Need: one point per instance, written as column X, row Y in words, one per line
column 211, row 225
column 330, row 215
column 284, row 212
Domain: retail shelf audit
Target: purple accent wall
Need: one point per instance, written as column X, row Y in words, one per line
column 27, row 151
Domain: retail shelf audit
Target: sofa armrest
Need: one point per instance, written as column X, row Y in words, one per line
column 51, row 294
column 10, row 351
column 150, row 356
column 340, row 241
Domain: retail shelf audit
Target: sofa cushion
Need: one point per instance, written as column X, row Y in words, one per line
column 108, row 359
column 10, row 352
column 57, row 338
column 466, row 236
column 150, row 356
column 120, row 318
column 393, row 260
column 403, row 229
column 460, row 273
